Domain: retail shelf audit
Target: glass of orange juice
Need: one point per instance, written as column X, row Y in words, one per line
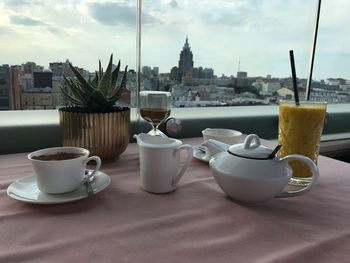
column 299, row 132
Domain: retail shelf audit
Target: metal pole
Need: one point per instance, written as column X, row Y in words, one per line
column 313, row 49
column 138, row 56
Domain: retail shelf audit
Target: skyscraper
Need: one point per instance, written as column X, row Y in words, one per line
column 186, row 60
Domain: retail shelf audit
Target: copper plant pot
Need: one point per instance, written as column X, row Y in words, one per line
column 103, row 134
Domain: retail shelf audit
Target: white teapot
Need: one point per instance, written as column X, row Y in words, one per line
column 251, row 173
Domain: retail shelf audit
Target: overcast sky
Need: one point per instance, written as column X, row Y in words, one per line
column 258, row 33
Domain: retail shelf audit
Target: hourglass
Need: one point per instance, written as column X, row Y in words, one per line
column 155, row 108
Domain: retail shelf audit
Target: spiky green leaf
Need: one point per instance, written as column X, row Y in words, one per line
column 118, row 92
column 106, row 81
column 99, row 94
column 69, row 97
column 100, row 70
column 115, row 75
column 95, row 81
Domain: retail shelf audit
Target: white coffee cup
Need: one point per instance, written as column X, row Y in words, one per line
column 61, row 176
column 161, row 167
column 223, row 135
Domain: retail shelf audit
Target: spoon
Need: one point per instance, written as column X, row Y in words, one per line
column 89, row 178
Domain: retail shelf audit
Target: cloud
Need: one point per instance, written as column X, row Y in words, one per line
column 118, row 14
column 23, row 4
column 16, row 3
column 174, row 4
column 113, row 13
column 224, row 19
column 54, row 30
column 234, row 16
column 5, row 30
column 26, row 21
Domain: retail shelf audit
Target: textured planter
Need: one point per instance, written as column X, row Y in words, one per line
column 103, row 134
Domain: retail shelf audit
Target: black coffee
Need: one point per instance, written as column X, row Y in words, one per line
column 57, row 156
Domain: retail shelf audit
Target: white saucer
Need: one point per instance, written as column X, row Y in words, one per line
column 26, row 190
column 199, row 154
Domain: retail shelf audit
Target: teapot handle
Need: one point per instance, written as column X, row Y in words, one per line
column 313, row 168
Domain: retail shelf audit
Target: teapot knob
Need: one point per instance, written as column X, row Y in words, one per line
column 252, row 141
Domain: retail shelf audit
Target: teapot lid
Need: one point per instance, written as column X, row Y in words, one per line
column 251, row 148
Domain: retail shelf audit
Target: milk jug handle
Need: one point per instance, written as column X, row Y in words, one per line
column 189, row 149
column 313, row 168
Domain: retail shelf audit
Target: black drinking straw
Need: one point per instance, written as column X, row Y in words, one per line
column 292, row 64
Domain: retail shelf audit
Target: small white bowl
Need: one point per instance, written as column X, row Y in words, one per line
column 223, row 135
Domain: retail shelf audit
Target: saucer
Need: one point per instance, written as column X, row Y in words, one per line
column 25, row 189
column 199, row 154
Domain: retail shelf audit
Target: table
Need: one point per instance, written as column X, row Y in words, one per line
column 195, row 223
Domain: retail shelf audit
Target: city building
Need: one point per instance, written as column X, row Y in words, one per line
column 343, row 96
column 208, row 73
column 242, row 79
column 5, row 87
column 186, row 60
column 345, row 87
column 270, row 87
column 285, row 93
column 26, row 80
column 30, row 67
column 43, row 79
column 37, row 100
column 146, row 71
column 15, row 88
column 200, row 73
column 335, row 82
column 242, row 75
column 60, row 69
column 321, row 95
column 155, row 71
column 174, row 73
column 149, row 72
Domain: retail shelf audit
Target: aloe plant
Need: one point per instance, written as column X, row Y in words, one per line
column 99, row 94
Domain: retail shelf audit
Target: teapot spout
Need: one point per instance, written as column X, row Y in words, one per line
column 214, row 147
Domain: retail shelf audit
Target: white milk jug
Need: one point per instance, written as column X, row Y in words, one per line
column 161, row 167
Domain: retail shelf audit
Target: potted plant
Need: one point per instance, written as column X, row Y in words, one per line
column 93, row 120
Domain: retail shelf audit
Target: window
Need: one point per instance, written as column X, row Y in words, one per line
column 332, row 59
column 39, row 38
column 207, row 53
column 216, row 53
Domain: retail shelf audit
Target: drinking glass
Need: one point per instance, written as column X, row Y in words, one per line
column 155, row 108
column 299, row 132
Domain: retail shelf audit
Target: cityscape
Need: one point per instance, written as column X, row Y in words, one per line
column 32, row 87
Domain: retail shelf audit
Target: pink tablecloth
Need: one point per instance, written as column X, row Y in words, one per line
column 196, row 223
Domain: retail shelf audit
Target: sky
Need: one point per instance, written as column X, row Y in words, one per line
column 254, row 34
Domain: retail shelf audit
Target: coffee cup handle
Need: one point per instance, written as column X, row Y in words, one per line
column 189, row 149
column 314, row 170
column 98, row 165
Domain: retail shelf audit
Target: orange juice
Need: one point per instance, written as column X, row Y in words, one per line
column 300, row 130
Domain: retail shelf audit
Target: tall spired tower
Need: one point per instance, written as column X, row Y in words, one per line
column 186, row 60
